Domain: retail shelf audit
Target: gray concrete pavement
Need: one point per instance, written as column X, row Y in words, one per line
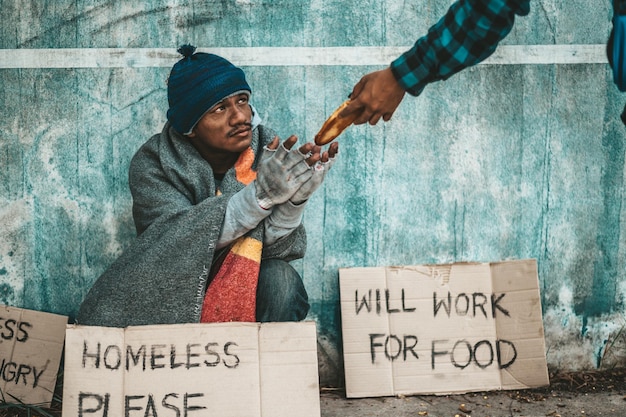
column 531, row 403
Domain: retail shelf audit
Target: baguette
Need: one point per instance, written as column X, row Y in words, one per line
column 334, row 125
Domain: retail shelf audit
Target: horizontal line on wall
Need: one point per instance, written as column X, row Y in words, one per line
column 285, row 56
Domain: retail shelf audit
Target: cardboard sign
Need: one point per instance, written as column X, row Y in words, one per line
column 437, row 329
column 221, row 369
column 31, row 345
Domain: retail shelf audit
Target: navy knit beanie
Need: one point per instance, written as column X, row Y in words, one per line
column 196, row 83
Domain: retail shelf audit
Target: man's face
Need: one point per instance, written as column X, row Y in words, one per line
column 226, row 126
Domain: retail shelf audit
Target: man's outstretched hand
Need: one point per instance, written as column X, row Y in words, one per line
column 282, row 171
column 375, row 96
column 324, row 161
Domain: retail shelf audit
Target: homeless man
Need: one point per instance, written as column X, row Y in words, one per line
column 217, row 204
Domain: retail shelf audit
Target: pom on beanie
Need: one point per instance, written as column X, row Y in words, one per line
column 196, row 83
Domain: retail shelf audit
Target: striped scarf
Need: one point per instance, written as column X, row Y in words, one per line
column 231, row 295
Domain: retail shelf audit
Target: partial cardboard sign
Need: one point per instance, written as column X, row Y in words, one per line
column 221, row 369
column 438, row 329
column 31, row 346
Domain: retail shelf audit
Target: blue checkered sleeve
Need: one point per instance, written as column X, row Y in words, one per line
column 468, row 33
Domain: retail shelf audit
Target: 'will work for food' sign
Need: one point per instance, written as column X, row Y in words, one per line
column 436, row 329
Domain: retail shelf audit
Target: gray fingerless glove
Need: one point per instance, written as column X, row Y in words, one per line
column 280, row 174
column 319, row 171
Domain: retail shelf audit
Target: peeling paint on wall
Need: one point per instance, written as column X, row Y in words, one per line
column 588, row 342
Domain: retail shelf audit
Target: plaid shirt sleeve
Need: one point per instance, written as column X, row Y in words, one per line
column 468, row 33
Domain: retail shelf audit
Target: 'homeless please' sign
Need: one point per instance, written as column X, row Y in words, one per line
column 31, row 345
column 435, row 329
column 225, row 369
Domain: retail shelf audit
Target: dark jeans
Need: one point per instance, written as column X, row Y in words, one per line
column 280, row 295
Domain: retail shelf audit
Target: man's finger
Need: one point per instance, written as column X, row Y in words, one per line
column 356, row 91
column 291, row 140
column 374, row 119
column 363, row 118
column 306, row 148
column 313, row 155
column 313, row 159
column 274, row 143
column 285, row 148
column 354, row 106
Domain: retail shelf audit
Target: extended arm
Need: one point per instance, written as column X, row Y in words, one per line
column 466, row 35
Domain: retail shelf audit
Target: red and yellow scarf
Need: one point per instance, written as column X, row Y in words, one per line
column 231, row 295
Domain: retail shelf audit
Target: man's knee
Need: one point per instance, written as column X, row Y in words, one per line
column 278, row 273
column 281, row 295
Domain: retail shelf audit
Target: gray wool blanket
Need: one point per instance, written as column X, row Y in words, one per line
column 162, row 277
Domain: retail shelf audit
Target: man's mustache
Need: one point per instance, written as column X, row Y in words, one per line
column 240, row 128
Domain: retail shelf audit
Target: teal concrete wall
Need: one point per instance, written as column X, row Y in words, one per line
column 499, row 162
